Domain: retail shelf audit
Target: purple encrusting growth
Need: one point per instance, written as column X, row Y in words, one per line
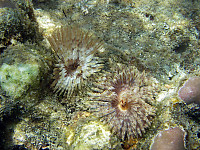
column 171, row 139
column 190, row 91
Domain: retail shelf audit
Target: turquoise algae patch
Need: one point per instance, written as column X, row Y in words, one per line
column 16, row 79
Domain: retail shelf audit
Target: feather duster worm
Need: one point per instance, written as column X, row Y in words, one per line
column 124, row 99
column 74, row 50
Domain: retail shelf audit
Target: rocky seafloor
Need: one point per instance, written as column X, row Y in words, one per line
column 128, row 77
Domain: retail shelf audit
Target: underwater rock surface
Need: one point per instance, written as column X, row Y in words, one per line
column 15, row 78
column 17, row 22
column 160, row 38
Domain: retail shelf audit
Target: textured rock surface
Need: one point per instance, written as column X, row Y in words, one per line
column 15, row 79
column 158, row 37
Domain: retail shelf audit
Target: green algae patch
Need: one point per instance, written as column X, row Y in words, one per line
column 16, row 79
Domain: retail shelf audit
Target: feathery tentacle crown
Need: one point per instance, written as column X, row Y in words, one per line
column 74, row 51
column 123, row 99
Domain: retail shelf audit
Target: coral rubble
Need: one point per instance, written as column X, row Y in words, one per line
column 92, row 135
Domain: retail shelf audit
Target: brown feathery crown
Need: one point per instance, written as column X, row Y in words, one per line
column 123, row 98
column 74, row 50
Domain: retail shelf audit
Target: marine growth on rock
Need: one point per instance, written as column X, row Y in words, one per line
column 124, row 98
column 171, row 139
column 74, row 50
column 190, row 91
